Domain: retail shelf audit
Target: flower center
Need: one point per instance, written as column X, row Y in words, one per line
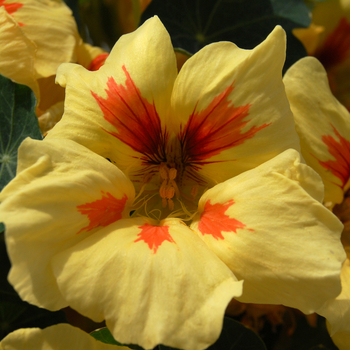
column 170, row 188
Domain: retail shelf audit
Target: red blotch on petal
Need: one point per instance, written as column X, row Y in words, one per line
column 214, row 221
column 215, row 129
column 11, row 8
column 340, row 150
column 103, row 212
column 98, row 62
column 154, row 236
column 336, row 47
column 135, row 119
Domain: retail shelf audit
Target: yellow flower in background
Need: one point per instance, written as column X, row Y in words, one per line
column 36, row 36
column 58, row 337
column 328, row 39
column 160, row 196
column 323, row 126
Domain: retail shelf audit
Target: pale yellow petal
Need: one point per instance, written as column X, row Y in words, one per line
column 51, row 26
column 310, row 37
column 58, row 337
column 50, row 117
column 118, row 111
column 270, row 227
column 152, row 284
column 322, row 124
column 61, row 194
column 91, row 57
column 16, row 51
column 337, row 311
column 231, row 109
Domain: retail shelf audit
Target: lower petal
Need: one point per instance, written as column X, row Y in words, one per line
column 267, row 227
column 58, row 337
column 337, row 311
column 152, row 284
column 62, row 193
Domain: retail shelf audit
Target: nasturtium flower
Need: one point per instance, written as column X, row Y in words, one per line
column 160, row 196
column 58, row 337
column 323, row 125
column 36, row 36
column 328, row 39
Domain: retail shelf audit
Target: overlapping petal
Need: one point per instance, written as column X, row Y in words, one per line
column 19, row 49
column 322, row 124
column 62, row 193
column 337, row 310
column 121, row 106
column 270, row 227
column 53, row 46
column 236, row 115
column 57, row 337
column 152, row 283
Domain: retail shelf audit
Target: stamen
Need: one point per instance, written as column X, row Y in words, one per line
column 171, row 204
column 170, row 191
column 172, row 173
column 194, row 191
column 176, row 188
column 163, row 189
column 163, row 171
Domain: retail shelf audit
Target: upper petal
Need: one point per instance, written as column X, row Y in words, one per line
column 62, row 193
column 153, row 284
column 16, row 50
column 51, row 26
column 236, row 115
column 269, row 227
column 118, row 111
column 58, row 337
column 322, row 124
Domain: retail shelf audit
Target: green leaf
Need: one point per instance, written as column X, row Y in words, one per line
column 105, row 336
column 196, row 23
column 234, row 336
column 18, row 121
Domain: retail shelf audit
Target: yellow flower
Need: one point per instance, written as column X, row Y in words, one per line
column 328, row 39
column 36, row 36
column 57, row 337
column 323, row 125
column 160, row 195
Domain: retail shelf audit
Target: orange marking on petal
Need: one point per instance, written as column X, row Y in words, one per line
column 215, row 129
column 135, row 119
column 102, row 212
column 11, row 8
column 154, row 236
column 98, row 62
column 214, row 221
column 340, row 150
column 336, row 47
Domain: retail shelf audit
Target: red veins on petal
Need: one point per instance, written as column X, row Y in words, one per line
column 154, row 236
column 11, row 8
column 336, row 47
column 215, row 129
column 98, row 62
column 214, row 221
column 340, row 150
column 102, row 212
column 135, row 119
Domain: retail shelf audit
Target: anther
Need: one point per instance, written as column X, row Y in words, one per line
column 172, row 173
